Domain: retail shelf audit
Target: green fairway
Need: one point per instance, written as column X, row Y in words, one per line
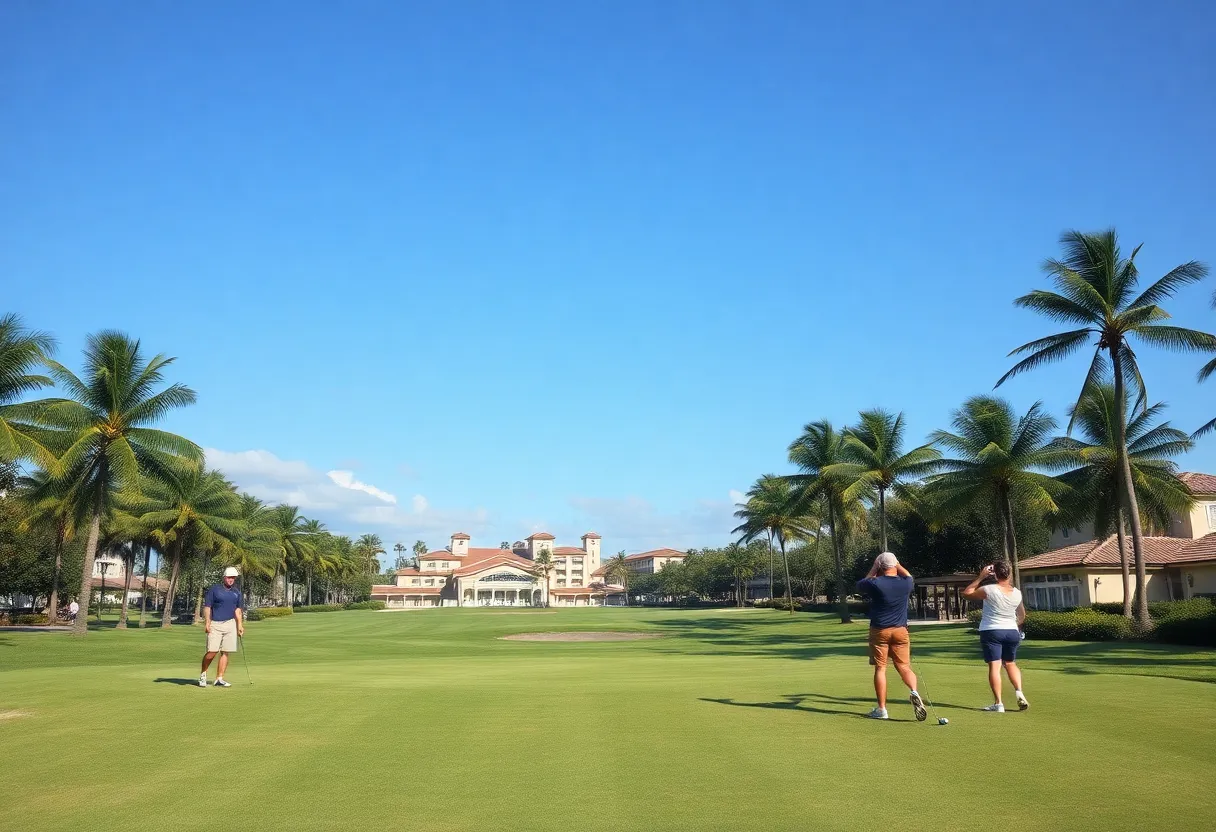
column 735, row 720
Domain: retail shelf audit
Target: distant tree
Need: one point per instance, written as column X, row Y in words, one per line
column 399, row 548
column 542, row 568
column 506, row 544
column 618, row 569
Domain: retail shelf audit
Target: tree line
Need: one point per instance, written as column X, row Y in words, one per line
column 89, row 472
column 1004, row 469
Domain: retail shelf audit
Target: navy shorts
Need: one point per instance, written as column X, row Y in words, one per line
column 1000, row 645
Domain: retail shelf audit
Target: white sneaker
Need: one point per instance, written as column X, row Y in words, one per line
column 918, row 706
column 220, row 683
column 996, row 708
column 202, row 680
column 1022, row 703
column 877, row 713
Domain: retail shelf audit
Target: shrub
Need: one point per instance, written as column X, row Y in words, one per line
column 27, row 620
column 974, row 616
column 365, row 605
column 1161, row 610
column 1078, row 625
column 319, row 608
column 806, row 605
column 268, row 612
column 1197, row 629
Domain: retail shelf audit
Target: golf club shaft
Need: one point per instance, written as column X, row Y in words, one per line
column 245, row 657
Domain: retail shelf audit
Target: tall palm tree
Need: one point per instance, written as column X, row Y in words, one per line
column 399, row 548
column 291, row 541
column 618, row 568
column 1095, row 482
column 998, row 464
column 194, row 509
column 1204, row 374
column 741, row 561
column 816, row 452
column 876, row 461
column 111, row 446
column 1097, row 292
column 254, row 553
column 771, row 510
column 542, row 568
column 317, row 557
column 21, row 351
column 48, row 503
column 369, row 546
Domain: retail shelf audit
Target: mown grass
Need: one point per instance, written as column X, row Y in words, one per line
column 736, row 720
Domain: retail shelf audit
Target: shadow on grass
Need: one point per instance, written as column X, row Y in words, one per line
column 164, row 680
column 800, row 702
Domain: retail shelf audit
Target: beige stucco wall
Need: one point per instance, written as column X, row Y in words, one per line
column 1202, row 580
column 1059, row 541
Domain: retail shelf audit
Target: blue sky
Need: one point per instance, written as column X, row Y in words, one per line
column 505, row 267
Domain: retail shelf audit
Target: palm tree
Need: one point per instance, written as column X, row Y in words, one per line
column 1097, row 292
column 816, row 452
column 399, row 548
column 542, row 567
column 254, row 553
column 194, row 508
column 317, row 557
column 998, row 466
column 21, row 350
column 770, row 510
column 368, row 547
column 112, row 447
column 48, row 502
column 290, row 541
column 742, row 564
column 1095, row 483
column 876, row 461
column 618, row 568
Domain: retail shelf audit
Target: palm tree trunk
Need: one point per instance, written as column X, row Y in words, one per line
column 882, row 518
column 52, row 601
column 198, row 598
column 770, row 564
column 789, row 590
column 143, row 599
column 1124, row 565
column 166, row 616
column 1011, row 540
column 1129, row 491
column 309, row 585
column 842, row 600
column 81, row 627
column 128, row 566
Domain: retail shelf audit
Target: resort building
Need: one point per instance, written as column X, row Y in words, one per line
column 652, row 561
column 1081, row 569
column 463, row 575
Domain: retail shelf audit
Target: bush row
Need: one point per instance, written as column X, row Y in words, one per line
column 319, row 608
column 806, row 605
column 23, row 619
column 260, row 613
column 1161, row 610
column 365, row 605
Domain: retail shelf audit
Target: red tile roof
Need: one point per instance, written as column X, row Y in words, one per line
column 577, row 590
column 1199, row 483
column 601, row 572
column 408, row 570
column 443, row 553
column 569, row 550
column 500, row 558
column 406, row 590
column 1158, row 551
column 461, row 536
column 591, row 534
column 540, row 536
column 658, row 553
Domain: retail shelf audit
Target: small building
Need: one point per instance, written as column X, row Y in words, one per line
column 1180, row 561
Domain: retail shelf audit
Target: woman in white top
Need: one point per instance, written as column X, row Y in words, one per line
column 1000, row 629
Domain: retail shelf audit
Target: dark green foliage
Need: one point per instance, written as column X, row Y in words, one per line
column 319, row 608
column 261, row 613
column 1194, row 628
column 1078, row 625
column 1161, row 610
column 803, row 605
column 364, row 605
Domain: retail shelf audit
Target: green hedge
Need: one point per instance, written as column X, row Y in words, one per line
column 1161, row 610
column 319, row 608
column 803, row 605
column 28, row 620
column 365, row 605
column 268, row 612
column 1078, row 625
column 1198, row 630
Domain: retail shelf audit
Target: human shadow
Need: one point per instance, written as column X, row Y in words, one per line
column 798, row 702
column 168, row 681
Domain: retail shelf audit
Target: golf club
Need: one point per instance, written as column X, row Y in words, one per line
column 921, row 685
column 240, row 640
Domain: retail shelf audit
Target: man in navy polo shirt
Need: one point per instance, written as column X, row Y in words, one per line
column 223, row 623
column 888, row 586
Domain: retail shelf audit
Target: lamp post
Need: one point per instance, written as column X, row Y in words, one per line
column 101, row 606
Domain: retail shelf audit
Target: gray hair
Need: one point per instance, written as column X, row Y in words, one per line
column 887, row 561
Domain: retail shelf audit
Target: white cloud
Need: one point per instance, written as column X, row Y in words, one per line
column 737, row 497
column 346, row 479
column 344, row 503
column 634, row 523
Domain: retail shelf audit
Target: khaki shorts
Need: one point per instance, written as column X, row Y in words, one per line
column 222, row 638
column 892, row 640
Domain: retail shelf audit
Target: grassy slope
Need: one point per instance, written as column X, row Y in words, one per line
column 738, row 720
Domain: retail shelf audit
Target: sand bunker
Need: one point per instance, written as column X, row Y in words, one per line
column 609, row 636
column 12, row 715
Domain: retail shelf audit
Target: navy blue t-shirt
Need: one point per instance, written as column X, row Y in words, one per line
column 888, row 599
column 223, row 602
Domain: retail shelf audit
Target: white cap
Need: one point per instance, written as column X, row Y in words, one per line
column 887, row 561
column 232, row 572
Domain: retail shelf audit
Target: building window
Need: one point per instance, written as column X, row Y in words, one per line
column 1212, row 515
column 429, row 582
column 415, row 582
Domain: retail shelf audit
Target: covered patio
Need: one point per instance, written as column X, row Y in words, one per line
column 940, row 598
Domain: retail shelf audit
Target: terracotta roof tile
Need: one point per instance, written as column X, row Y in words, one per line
column 1199, row 483
column 1203, row 548
column 569, row 550
column 591, row 535
column 406, row 590
column 540, row 536
column 658, row 553
column 1158, row 551
column 461, row 536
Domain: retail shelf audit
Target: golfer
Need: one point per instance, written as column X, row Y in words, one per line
column 1000, row 629
column 888, row 586
column 223, row 623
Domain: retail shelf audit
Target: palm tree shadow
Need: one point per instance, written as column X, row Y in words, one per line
column 169, row 681
column 844, row 699
column 796, row 702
